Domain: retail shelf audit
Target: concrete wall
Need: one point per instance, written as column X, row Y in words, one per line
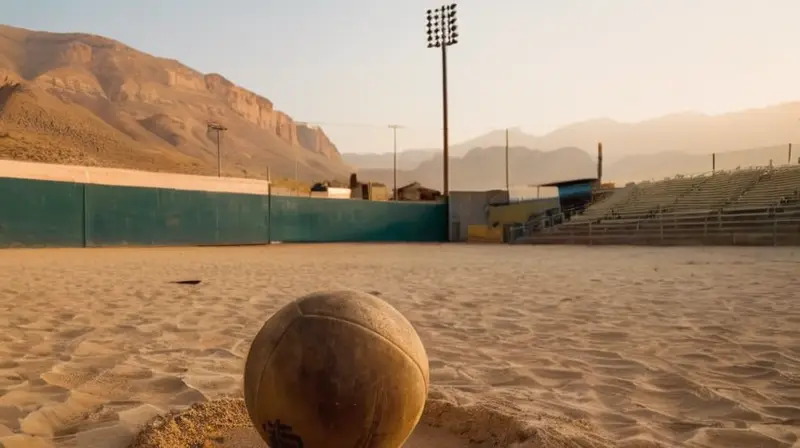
column 129, row 178
column 332, row 193
column 471, row 208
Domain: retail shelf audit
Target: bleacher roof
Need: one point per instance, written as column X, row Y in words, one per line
column 567, row 183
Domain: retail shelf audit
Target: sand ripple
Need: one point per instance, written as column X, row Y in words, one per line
column 529, row 346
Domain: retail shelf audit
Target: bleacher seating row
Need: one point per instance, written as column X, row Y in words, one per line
column 757, row 201
column 758, row 187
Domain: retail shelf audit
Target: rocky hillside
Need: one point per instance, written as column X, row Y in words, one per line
column 78, row 98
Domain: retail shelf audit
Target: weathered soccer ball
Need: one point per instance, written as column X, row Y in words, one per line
column 336, row 369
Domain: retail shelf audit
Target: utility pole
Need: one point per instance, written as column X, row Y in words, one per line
column 790, row 152
column 394, row 167
column 508, row 190
column 442, row 32
column 599, row 163
column 296, row 161
column 218, row 128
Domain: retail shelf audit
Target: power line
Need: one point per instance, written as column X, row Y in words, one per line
column 363, row 125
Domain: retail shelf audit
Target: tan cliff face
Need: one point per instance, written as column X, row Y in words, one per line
column 161, row 102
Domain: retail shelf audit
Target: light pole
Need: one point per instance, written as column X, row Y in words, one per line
column 508, row 189
column 394, row 127
column 790, row 152
column 296, row 157
column 214, row 126
column 441, row 28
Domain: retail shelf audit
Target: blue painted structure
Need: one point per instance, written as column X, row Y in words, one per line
column 582, row 189
column 575, row 193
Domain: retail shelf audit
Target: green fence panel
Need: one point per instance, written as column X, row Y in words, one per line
column 38, row 213
column 295, row 219
column 43, row 213
column 242, row 218
column 155, row 216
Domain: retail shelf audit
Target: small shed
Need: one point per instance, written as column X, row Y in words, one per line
column 323, row 190
column 416, row 192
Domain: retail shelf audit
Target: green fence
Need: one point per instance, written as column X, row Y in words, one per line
column 36, row 213
column 319, row 220
column 118, row 216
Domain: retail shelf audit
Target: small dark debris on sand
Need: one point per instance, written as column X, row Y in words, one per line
column 187, row 282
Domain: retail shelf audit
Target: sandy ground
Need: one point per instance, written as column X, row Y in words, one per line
column 528, row 346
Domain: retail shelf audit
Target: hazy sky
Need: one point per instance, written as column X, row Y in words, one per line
column 537, row 64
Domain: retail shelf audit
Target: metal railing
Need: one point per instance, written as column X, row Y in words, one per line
column 544, row 222
column 666, row 205
column 774, row 225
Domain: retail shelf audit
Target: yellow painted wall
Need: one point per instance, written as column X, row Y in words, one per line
column 379, row 193
column 484, row 234
column 520, row 212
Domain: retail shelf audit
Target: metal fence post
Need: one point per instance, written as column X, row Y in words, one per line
column 269, row 211
column 85, row 215
column 774, row 229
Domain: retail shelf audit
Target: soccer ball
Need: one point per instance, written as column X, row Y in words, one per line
column 336, row 369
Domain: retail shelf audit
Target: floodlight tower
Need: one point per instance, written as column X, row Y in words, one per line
column 442, row 32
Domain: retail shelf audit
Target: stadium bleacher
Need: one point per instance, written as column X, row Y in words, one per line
column 745, row 206
column 653, row 197
column 717, row 190
column 604, row 207
column 780, row 185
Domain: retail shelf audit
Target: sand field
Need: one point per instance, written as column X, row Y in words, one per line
column 529, row 346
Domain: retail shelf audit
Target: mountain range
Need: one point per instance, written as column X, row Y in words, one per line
column 85, row 99
column 652, row 149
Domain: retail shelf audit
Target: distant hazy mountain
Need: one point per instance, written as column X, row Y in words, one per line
column 406, row 160
column 484, row 168
column 667, row 164
column 691, row 133
column 411, row 158
column 672, row 144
